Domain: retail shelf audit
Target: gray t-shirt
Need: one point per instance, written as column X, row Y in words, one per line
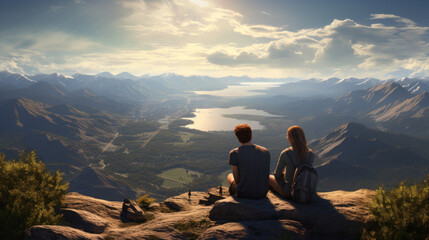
column 253, row 163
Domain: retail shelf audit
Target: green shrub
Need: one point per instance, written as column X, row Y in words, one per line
column 401, row 213
column 144, row 201
column 28, row 195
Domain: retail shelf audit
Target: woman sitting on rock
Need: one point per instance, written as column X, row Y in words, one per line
column 297, row 156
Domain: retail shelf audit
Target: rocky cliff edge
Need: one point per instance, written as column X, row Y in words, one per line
column 206, row 215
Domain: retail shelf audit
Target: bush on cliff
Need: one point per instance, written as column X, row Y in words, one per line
column 401, row 213
column 28, row 195
column 144, row 202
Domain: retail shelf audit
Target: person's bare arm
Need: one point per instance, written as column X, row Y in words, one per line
column 235, row 173
column 279, row 173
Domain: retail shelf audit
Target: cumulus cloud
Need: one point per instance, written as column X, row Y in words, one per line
column 228, row 60
column 343, row 45
column 201, row 37
column 174, row 17
column 184, row 18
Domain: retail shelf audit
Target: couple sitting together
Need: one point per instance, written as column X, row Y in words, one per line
column 294, row 177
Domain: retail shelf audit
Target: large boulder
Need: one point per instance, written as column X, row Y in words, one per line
column 266, row 229
column 132, row 212
column 49, row 232
column 338, row 213
column 84, row 220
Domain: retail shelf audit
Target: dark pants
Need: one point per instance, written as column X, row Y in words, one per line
column 233, row 189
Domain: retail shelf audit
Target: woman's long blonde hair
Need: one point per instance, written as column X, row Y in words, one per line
column 296, row 137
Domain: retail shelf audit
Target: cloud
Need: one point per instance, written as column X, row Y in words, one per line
column 258, row 31
column 399, row 19
column 228, row 60
column 180, row 19
column 174, row 17
column 48, row 42
column 342, row 46
column 201, row 37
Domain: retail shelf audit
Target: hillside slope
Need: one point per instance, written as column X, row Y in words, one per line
column 95, row 183
column 389, row 106
column 353, row 156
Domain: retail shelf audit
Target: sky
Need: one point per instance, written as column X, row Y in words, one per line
column 256, row 38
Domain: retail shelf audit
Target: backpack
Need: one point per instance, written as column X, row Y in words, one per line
column 304, row 179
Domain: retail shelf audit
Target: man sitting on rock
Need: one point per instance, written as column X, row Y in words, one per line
column 250, row 165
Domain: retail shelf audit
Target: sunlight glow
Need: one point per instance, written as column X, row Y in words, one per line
column 200, row 3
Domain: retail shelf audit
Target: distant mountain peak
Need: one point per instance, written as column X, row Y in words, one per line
column 52, row 75
column 353, row 126
column 15, row 78
column 169, row 75
column 77, row 75
column 333, row 79
column 386, row 92
column 126, row 75
column 106, row 75
column 346, row 80
column 414, row 86
column 348, row 129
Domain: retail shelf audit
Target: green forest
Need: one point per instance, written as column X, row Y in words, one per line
column 179, row 147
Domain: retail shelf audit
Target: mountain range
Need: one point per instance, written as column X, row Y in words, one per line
column 71, row 120
column 388, row 106
column 64, row 136
column 332, row 87
column 353, row 156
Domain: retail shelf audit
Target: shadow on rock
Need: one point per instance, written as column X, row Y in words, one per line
column 339, row 213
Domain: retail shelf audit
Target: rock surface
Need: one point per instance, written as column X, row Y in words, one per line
column 84, row 220
column 334, row 215
column 46, row 232
column 338, row 213
column 182, row 202
column 267, row 229
column 105, row 209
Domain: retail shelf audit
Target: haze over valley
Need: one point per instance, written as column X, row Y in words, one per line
column 166, row 134
column 136, row 97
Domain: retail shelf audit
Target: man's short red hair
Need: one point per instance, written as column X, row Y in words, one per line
column 243, row 133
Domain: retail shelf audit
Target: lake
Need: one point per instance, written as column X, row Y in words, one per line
column 215, row 119
column 245, row 89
